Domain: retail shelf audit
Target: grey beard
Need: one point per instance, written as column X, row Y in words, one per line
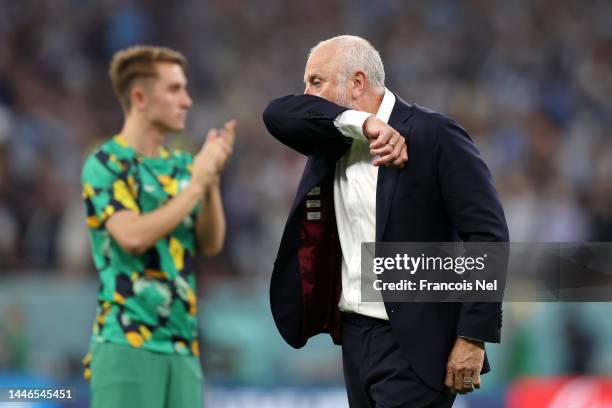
column 342, row 98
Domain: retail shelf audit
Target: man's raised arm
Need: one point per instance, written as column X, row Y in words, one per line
column 303, row 122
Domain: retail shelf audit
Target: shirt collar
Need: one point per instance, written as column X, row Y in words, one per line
column 123, row 144
column 386, row 106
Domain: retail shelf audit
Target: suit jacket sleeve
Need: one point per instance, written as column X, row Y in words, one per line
column 476, row 213
column 304, row 122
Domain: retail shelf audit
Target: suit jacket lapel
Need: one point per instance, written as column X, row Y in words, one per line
column 388, row 176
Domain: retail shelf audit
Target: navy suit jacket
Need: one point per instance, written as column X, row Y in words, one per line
column 444, row 193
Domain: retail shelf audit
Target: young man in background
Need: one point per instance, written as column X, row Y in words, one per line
column 149, row 211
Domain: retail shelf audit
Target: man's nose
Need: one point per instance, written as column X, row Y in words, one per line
column 187, row 102
column 308, row 90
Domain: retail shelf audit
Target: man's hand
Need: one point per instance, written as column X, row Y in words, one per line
column 213, row 156
column 227, row 135
column 464, row 363
column 385, row 142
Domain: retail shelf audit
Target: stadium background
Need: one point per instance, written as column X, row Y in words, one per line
column 530, row 80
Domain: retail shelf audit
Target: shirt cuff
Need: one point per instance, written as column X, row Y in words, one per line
column 350, row 124
column 473, row 339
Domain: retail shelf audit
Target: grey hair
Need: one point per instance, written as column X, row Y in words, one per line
column 356, row 54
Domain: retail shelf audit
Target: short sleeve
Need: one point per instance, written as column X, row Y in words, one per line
column 105, row 191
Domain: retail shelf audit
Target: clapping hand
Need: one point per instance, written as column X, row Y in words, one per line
column 225, row 138
column 214, row 154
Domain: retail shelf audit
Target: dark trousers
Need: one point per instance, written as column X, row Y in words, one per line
column 376, row 373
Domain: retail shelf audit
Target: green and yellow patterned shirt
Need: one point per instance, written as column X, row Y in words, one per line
column 147, row 301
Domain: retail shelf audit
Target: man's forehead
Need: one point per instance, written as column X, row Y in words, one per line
column 321, row 61
column 168, row 71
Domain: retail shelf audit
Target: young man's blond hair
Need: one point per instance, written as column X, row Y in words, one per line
column 137, row 62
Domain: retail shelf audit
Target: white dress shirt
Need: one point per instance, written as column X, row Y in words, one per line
column 355, row 205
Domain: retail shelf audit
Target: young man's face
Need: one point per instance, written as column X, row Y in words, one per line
column 321, row 77
column 167, row 99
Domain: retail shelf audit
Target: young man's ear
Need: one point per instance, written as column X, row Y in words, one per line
column 138, row 96
column 360, row 84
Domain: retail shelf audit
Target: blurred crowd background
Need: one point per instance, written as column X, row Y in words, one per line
column 530, row 80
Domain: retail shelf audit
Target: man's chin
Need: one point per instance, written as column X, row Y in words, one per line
column 171, row 128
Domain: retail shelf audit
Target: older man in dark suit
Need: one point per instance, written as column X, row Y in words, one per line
column 359, row 186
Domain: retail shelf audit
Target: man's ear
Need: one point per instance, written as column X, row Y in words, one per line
column 360, row 84
column 138, row 96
